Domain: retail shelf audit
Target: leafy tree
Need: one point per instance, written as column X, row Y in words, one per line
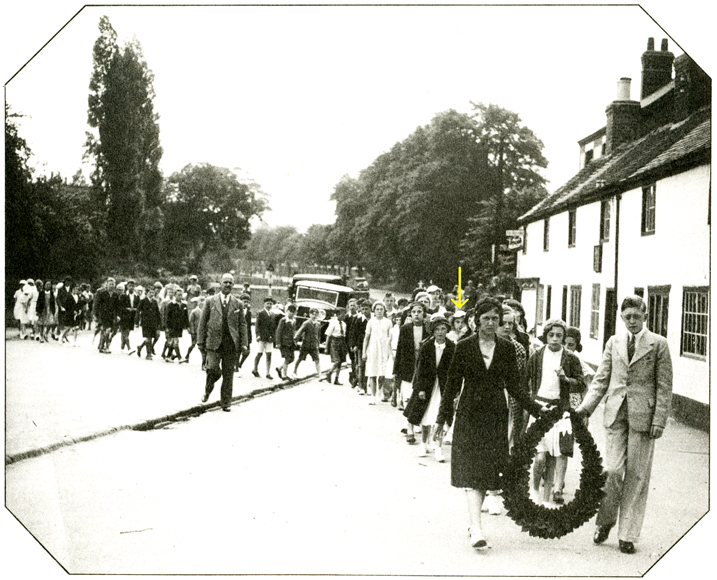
column 22, row 256
column 125, row 144
column 514, row 157
column 209, row 209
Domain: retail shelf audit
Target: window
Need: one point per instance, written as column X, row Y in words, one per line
column 540, row 305
column 572, row 227
column 648, row 210
column 605, row 220
column 548, row 300
column 658, row 302
column 575, row 297
column 546, row 234
column 589, row 156
column 597, row 258
column 595, row 312
column 695, row 321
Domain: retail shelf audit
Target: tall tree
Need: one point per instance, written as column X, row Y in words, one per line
column 209, row 209
column 125, row 144
column 515, row 156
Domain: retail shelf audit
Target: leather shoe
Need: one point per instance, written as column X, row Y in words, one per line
column 226, row 409
column 601, row 534
column 626, row 547
column 205, row 398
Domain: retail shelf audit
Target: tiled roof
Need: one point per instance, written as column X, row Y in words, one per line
column 662, row 150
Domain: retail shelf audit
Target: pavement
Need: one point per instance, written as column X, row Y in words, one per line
column 88, row 398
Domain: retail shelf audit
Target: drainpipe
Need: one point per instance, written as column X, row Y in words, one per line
column 618, row 198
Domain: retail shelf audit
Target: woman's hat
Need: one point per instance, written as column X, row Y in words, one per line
column 437, row 319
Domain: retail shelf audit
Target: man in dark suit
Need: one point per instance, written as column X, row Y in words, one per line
column 635, row 375
column 410, row 337
column 222, row 335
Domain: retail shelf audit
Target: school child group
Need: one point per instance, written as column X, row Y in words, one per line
column 406, row 356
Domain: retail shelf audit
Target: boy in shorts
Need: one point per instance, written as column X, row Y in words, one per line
column 308, row 334
column 285, row 340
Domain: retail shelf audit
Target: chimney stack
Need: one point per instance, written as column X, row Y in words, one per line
column 623, row 117
column 656, row 67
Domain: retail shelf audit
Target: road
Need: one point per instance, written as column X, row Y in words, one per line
column 310, row 480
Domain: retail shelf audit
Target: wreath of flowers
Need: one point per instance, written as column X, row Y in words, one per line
column 539, row 520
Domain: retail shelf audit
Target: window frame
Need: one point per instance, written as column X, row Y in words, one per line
column 649, row 210
column 576, row 291
column 572, row 227
column 703, row 322
column 604, row 221
column 595, row 312
column 661, row 296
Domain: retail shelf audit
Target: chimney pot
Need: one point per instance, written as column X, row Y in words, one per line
column 650, row 43
column 663, row 46
column 623, row 89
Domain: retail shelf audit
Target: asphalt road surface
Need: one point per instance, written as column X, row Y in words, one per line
column 310, row 480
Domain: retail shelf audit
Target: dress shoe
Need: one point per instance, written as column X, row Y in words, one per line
column 270, row 377
column 336, row 382
column 477, row 539
column 255, row 373
column 278, row 372
column 411, row 440
column 601, row 534
column 558, row 497
column 626, row 547
column 205, row 398
column 226, row 409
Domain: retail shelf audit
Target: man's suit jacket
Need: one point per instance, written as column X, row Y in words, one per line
column 646, row 382
column 210, row 330
column 404, row 363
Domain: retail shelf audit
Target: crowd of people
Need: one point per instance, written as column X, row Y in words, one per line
column 475, row 378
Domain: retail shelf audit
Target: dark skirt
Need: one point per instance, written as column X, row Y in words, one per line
column 479, row 453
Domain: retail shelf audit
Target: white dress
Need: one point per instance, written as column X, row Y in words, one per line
column 378, row 350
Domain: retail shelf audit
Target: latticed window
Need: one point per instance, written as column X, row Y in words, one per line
column 658, row 307
column 648, row 209
column 695, row 321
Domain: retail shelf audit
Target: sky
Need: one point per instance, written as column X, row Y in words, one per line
column 297, row 97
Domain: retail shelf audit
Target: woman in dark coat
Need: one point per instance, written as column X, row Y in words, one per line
column 483, row 365
column 429, row 383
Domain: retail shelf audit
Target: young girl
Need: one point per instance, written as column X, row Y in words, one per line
column 377, row 348
column 431, row 375
column 553, row 372
column 46, row 311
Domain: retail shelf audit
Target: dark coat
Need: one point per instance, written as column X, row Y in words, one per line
column 177, row 319
column 149, row 317
column 128, row 311
column 357, row 333
column 40, row 306
column 265, row 326
column 571, row 383
column 405, row 362
column 211, row 332
column 308, row 334
column 425, row 378
column 480, row 435
column 285, row 333
column 106, row 307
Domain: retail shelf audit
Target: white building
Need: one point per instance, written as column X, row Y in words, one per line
column 635, row 219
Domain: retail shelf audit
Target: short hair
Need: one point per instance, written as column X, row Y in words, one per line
column 291, row 308
column 245, row 297
column 550, row 325
column 108, row 279
column 313, row 310
column 268, row 299
column 574, row 333
column 420, row 305
column 515, row 305
column 486, row 305
column 402, row 302
column 633, row 302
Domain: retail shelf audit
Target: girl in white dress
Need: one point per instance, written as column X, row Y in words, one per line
column 377, row 348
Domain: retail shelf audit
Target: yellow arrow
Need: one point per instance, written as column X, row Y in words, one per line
column 459, row 303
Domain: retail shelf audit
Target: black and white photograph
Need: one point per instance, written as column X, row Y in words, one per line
column 378, row 290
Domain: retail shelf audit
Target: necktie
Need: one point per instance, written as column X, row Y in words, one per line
column 630, row 347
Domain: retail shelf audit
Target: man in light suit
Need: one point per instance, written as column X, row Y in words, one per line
column 222, row 335
column 636, row 374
